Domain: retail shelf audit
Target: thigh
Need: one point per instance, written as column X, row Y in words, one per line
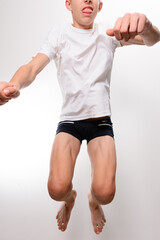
column 63, row 157
column 102, row 154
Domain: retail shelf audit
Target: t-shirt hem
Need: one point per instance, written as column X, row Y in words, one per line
column 85, row 116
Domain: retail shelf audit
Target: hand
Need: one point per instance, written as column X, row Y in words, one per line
column 129, row 26
column 7, row 92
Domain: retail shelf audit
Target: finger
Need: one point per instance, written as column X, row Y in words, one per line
column 16, row 94
column 2, row 102
column 141, row 23
column 133, row 25
column 125, row 26
column 116, row 29
column 110, row 32
column 9, row 91
column 4, row 85
column 4, row 97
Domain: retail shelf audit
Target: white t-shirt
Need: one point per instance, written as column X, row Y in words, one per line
column 84, row 62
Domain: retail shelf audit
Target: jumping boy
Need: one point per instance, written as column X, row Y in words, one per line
column 83, row 53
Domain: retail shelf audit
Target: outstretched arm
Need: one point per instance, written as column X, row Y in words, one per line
column 135, row 28
column 23, row 77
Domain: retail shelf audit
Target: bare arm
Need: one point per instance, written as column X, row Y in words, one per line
column 23, row 77
column 136, row 29
column 26, row 74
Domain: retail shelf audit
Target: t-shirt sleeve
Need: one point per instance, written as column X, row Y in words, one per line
column 114, row 42
column 50, row 44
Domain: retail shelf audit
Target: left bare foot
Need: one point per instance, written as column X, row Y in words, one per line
column 97, row 215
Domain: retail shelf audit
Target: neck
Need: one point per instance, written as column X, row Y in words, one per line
column 77, row 25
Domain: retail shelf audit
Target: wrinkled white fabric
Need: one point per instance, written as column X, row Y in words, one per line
column 84, row 62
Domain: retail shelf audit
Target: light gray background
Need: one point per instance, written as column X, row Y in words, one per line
column 28, row 125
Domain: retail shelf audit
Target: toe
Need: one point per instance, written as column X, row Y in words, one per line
column 58, row 215
column 96, row 229
column 104, row 218
column 59, row 221
column 64, row 227
column 63, row 224
column 100, row 228
column 102, row 223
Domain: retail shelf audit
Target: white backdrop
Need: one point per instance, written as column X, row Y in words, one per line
column 28, row 125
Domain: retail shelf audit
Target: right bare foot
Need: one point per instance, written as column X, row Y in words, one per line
column 98, row 218
column 64, row 212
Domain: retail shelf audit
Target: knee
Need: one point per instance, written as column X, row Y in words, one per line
column 58, row 190
column 104, row 194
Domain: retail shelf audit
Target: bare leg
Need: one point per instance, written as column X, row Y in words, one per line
column 97, row 214
column 103, row 161
column 64, row 153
